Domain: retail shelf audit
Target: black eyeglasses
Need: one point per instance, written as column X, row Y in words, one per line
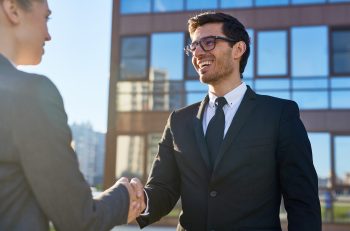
column 206, row 43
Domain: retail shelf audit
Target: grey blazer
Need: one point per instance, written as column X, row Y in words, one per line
column 39, row 176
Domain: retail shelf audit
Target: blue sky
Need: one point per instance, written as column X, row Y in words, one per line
column 77, row 58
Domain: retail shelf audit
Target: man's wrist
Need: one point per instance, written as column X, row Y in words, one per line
column 145, row 212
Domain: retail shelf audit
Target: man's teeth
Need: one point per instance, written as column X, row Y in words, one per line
column 205, row 63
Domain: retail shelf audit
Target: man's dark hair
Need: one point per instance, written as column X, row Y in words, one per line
column 232, row 28
column 25, row 4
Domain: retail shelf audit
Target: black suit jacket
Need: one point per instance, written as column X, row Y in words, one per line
column 265, row 154
column 39, row 174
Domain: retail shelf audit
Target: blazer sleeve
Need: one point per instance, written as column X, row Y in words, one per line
column 298, row 178
column 162, row 187
column 43, row 141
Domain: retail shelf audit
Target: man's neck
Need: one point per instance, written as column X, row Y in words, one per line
column 222, row 88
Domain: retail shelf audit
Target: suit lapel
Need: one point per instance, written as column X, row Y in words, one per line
column 247, row 105
column 198, row 127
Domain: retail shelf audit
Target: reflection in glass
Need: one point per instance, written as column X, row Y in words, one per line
column 196, row 86
column 339, row 0
column 309, row 47
column 154, row 95
column 321, row 84
column 191, row 72
column 195, row 91
column 132, row 96
column 272, row 84
column 340, row 99
column 278, row 94
column 236, row 3
column 167, row 54
column 340, row 82
column 311, row 99
column 133, row 63
column 152, row 148
column 321, row 154
column 249, row 82
column 271, row 2
column 130, row 156
column 249, row 71
column 194, row 98
column 307, row 1
column 341, row 51
column 135, row 6
column 272, row 53
column 168, row 5
column 166, row 95
column 342, row 159
column 201, row 4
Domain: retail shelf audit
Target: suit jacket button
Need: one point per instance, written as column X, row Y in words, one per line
column 213, row 193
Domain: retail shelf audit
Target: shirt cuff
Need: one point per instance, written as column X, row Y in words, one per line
column 145, row 212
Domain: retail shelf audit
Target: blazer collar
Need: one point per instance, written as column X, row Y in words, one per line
column 5, row 63
column 198, row 127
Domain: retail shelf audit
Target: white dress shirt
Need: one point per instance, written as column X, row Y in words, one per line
column 233, row 98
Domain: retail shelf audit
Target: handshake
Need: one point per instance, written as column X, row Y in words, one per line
column 136, row 195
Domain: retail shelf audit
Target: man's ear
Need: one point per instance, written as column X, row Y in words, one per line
column 239, row 49
column 11, row 10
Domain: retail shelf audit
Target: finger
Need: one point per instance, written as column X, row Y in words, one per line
column 137, row 186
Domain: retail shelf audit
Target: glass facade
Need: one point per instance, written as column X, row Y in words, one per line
column 272, row 45
column 168, row 5
column 161, row 6
column 308, row 62
column 134, row 58
column 341, row 51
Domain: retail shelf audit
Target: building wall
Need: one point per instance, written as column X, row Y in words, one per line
column 300, row 51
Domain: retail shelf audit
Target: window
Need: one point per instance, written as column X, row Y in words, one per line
column 321, row 154
column 201, row 4
column 341, row 51
column 135, row 6
column 130, row 156
column 309, row 47
column 195, row 91
column 311, row 99
column 249, row 68
column 132, row 96
column 152, row 148
column 273, row 87
column 307, row 1
column 167, row 56
column 340, row 92
column 134, row 54
column 168, row 5
column 271, row 2
column 342, row 159
column 236, row 3
column 191, row 72
column 272, row 53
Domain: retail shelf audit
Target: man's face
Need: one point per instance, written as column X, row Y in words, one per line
column 33, row 33
column 217, row 64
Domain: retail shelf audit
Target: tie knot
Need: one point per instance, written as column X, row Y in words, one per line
column 220, row 102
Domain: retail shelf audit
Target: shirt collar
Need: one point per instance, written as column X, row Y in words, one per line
column 231, row 97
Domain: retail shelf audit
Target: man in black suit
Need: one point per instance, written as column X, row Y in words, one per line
column 232, row 156
column 40, row 179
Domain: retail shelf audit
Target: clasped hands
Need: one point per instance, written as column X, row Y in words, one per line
column 137, row 198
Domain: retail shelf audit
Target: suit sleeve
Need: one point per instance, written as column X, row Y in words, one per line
column 43, row 141
column 163, row 183
column 298, row 178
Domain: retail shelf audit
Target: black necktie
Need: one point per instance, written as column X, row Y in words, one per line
column 215, row 130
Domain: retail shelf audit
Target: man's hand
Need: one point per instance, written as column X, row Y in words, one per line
column 138, row 188
column 136, row 204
